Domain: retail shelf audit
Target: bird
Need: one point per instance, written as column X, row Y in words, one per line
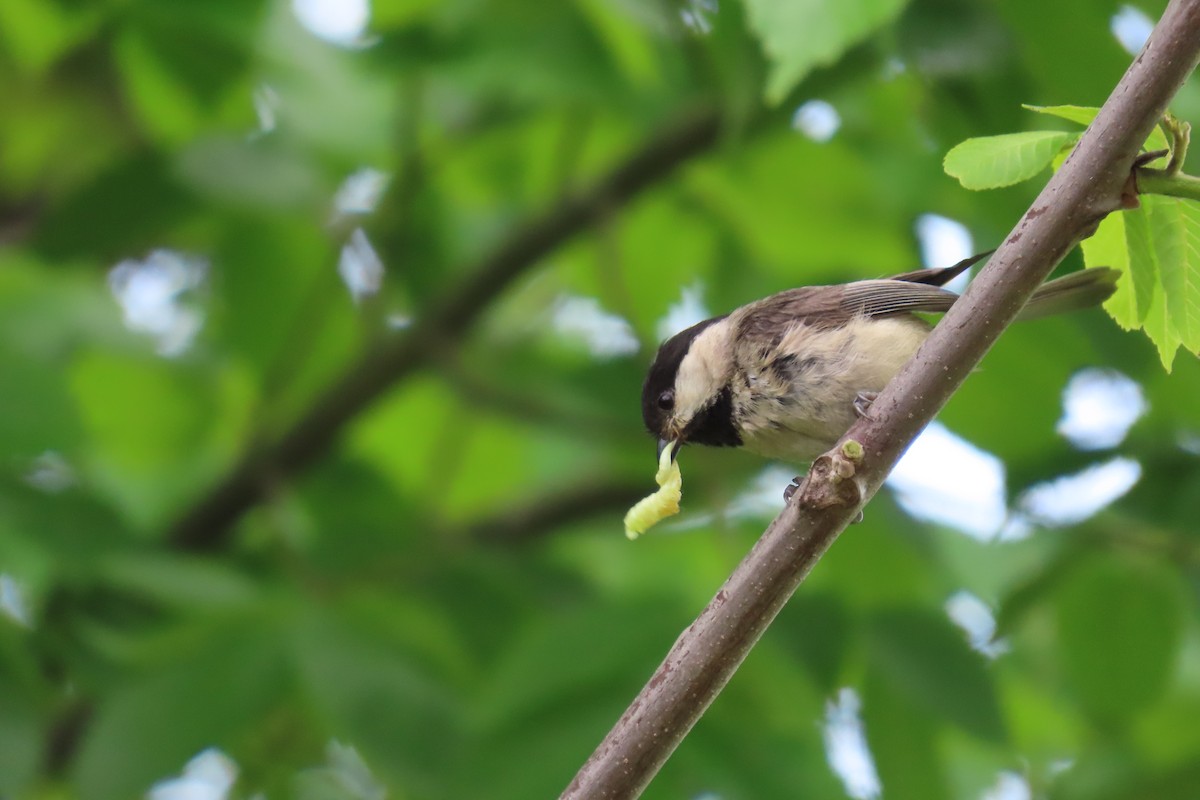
column 786, row 376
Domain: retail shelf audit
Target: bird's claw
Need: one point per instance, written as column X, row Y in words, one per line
column 863, row 402
column 791, row 488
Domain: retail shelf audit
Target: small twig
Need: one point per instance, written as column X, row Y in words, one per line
column 1171, row 181
column 1162, row 182
column 1179, row 133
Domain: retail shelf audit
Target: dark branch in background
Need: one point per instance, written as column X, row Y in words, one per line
column 207, row 525
column 64, row 736
column 530, row 522
column 1087, row 187
column 19, row 218
column 530, row 406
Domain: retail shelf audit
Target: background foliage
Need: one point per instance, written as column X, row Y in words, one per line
column 447, row 590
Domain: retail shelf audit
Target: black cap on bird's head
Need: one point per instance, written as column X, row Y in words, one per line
column 712, row 425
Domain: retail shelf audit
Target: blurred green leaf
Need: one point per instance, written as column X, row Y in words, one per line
column 138, row 413
column 122, row 212
column 1119, row 634
column 22, row 724
column 1104, row 772
column 37, row 33
column 798, row 36
column 346, row 777
column 349, row 678
column 210, row 693
column 630, row 45
column 258, row 174
column 927, row 660
column 36, row 413
column 167, row 105
column 759, row 195
column 178, row 581
column 589, row 647
column 903, row 740
column 818, row 628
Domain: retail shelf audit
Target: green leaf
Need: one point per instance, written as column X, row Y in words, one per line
column 1084, row 116
column 1119, row 634
column 132, row 201
column 1176, row 225
column 628, row 45
column 27, row 693
column 1150, row 238
column 36, row 33
column 345, row 777
column 1081, row 114
column 928, row 660
column 566, row 657
column 1157, row 248
column 802, row 34
column 154, row 427
column 215, row 688
column 990, row 162
column 166, row 105
column 902, row 740
column 349, row 678
column 1161, row 330
column 1108, row 247
column 36, row 413
column 176, row 582
column 142, row 412
column 817, row 629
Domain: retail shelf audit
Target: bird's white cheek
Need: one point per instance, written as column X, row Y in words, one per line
column 703, row 372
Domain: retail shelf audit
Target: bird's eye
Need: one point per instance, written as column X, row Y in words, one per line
column 666, row 400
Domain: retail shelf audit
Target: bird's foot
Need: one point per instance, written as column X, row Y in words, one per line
column 863, row 402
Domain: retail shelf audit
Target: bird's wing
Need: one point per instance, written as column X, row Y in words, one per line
column 942, row 276
column 827, row 307
column 887, row 297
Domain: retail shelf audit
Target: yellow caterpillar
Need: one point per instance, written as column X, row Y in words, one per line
column 663, row 503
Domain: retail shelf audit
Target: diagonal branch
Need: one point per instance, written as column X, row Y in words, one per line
column 1087, row 187
column 207, row 524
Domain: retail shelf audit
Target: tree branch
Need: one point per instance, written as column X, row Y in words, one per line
column 535, row 519
column 207, row 524
column 19, row 218
column 1088, row 186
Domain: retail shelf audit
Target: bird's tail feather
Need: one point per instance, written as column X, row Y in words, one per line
column 1082, row 289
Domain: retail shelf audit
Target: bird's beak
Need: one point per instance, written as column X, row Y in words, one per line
column 663, row 444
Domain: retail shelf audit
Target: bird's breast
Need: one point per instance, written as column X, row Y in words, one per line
column 795, row 401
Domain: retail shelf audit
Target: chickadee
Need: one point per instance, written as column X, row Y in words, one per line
column 785, row 376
